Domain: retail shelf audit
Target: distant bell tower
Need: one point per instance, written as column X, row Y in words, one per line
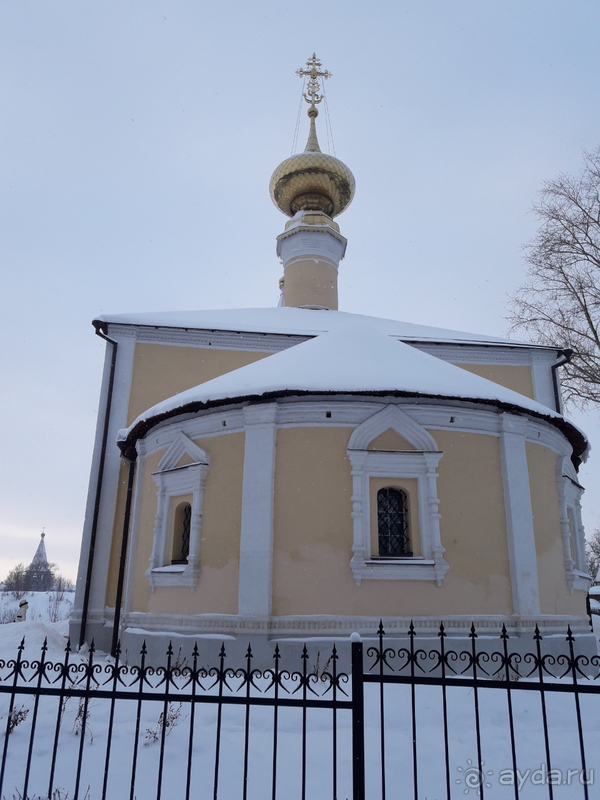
column 311, row 187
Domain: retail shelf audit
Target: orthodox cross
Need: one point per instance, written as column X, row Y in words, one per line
column 313, row 72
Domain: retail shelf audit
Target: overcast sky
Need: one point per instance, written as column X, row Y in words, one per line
column 137, row 139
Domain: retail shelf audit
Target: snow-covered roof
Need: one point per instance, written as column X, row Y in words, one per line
column 40, row 559
column 299, row 322
column 352, row 359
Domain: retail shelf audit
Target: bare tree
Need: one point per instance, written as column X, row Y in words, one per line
column 21, row 580
column 559, row 305
column 592, row 554
column 16, row 582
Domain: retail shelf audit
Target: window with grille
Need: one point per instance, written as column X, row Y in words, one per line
column 392, row 523
column 181, row 533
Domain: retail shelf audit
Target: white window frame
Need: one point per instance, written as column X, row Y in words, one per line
column 420, row 464
column 172, row 482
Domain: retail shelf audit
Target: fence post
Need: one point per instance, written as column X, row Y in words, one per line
column 358, row 720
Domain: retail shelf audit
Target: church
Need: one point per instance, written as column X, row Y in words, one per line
column 299, row 472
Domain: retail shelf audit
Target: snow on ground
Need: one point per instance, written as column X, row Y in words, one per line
column 495, row 738
column 43, row 607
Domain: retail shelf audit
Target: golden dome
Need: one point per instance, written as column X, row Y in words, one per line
column 312, row 180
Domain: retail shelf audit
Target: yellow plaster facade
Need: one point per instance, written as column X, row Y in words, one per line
column 517, row 377
column 554, row 596
column 311, row 282
column 216, row 591
column 160, row 371
column 117, row 538
column 390, row 440
column 313, row 531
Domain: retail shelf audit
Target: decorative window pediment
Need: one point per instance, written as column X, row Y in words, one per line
column 392, row 418
column 182, row 445
column 400, row 469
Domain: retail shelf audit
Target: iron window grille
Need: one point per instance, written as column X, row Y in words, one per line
column 183, row 535
column 392, row 523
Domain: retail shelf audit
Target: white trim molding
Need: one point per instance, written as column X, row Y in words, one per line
column 420, row 464
column 171, row 483
column 573, row 533
column 256, row 539
column 110, row 480
column 209, row 339
column 180, row 446
column 399, row 421
column 290, row 628
column 519, row 516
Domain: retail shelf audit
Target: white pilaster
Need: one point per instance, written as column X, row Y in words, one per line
column 519, row 516
column 541, row 373
column 110, row 483
column 256, row 545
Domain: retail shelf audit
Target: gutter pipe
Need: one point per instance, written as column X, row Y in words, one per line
column 90, row 564
column 122, row 561
column 568, row 354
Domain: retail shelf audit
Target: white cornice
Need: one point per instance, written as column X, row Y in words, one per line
column 217, row 340
column 486, row 353
column 119, row 332
column 195, row 427
column 290, row 413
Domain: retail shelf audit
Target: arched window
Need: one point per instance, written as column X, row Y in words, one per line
column 181, row 533
column 392, row 523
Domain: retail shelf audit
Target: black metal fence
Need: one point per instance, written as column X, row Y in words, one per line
column 406, row 721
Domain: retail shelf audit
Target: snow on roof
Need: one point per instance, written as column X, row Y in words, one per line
column 299, row 322
column 40, row 559
column 354, row 359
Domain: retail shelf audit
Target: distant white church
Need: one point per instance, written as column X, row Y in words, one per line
column 300, row 471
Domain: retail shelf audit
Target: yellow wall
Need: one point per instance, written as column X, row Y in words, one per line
column 517, row 378
column 473, row 522
column 145, row 534
column 217, row 589
column 115, row 547
column 390, row 440
column 554, row 592
column 313, row 531
column 310, row 283
column 160, row 371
